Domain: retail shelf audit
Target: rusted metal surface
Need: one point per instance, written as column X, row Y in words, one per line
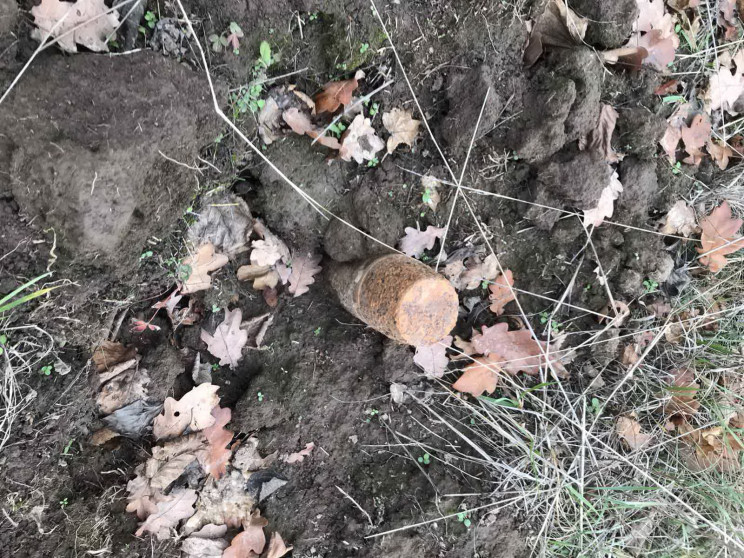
column 398, row 296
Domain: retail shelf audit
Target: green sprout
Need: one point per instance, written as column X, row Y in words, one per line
column 3, row 342
column 215, row 308
column 264, row 51
column 650, row 286
column 424, row 459
column 337, row 128
column 63, row 502
column 364, row 48
column 47, row 370
column 316, row 331
column 373, row 162
column 151, row 19
column 554, row 325
column 66, row 451
column 215, row 367
column 462, row 517
column 677, row 168
column 260, row 396
column 371, row 413
column 145, row 255
column 595, row 405
column 426, row 196
column 374, row 109
column 313, row 16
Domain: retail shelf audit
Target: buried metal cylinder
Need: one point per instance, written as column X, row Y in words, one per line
column 398, row 296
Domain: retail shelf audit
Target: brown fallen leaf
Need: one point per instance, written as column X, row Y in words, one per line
column 127, row 387
column 304, row 269
column 480, row 376
column 600, row 138
column 431, row 195
column 629, row 429
column 271, row 297
column 719, row 237
column 269, row 250
column 359, row 141
column 192, row 411
column 673, row 133
column 402, row 127
column 606, row 203
column 251, row 541
column 695, row 137
column 208, row 542
column 517, row 350
column 727, row 84
column 110, row 353
column 277, row 548
column 720, row 153
column 683, row 389
column 432, row 359
column 302, row 125
column 256, row 329
column 196, row 268
column 558, row 26
column 222, row 502
column 501, row 293
column 630, row 356
column 337, row 93
column 416, row 241
column 680, row 220
column 218, row 438
column 299, row 456
column 83, row 23
column 171, row 509
column 726, row 18
column 228, row 340
column 654, row 36
column 478, row 271
column 102, row 436
column 712, row 448
column 226, row 222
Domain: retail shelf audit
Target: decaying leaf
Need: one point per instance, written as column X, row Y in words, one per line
column 225, row 222
column 501, row 293
column 251, row 541
column 477, row 271
column 91, row 24
column 135, row 420
column 192, row 411
column 606, row 204
column 558, row 26
column 480, row 376
column 416, row 241
column 102, row 436
column 712, row 448
column 269, row 121
column 111, row 353
column 726, row 86
column 222, row 502
column 228, row 340
column 218, row 438
column 299, row 456
column 207, row 542
column 629, row 429
column 277, row 548
column 680, row 220
column 600, row 138
column 517, row 350
column 171, row 509
column 683, row 389
column 432, row 359
column 140, row 326
column 196, row 268
column 256, row 329
column 127, row 387
column 719, row 237
column 431, row 195
column 247, row 459
column 673, row 133
column 402, row 127
column 337, row 93
column 304, row 269
column 360, row 142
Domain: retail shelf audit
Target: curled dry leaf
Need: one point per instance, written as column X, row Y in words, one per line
column 304, row 269
column 480, row 376
column 228, row 340
column 251, row 541
column 196, row 268
column 432, row 359
column 557, row 26
column 720, row 153
column 360, row 142
column 629, row 429
column 680, row 220
column 171, row 509
column 277, row 548
column 719, row 237
column 269, row 250
column 111, row 353
column 416, row 241
column 218, row 438
column 301, row 124
column 208, row 542
column 337, row 93
column 135, row 420
column 192, row 411
column 299, row 456
column 83, row 23
column 501, row 292
column 256, row 329
column 683, row 389
column 695, row 137
column 673, row 132
column 402, row 127
column 606, row 204
column 431, row 195
column 712, row 448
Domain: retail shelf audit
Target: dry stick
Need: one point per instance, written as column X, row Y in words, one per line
column 314, row 204
column 599, row 265
column 361, row 509
column 459, row 182
column 348, row 110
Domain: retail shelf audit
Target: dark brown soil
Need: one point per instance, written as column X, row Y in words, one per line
column 87, row 176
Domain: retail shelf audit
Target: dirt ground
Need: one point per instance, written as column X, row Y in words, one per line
column 97, row 159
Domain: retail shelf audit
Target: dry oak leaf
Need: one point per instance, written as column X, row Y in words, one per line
column 718, row 238
column 721, row 154
column 402, row 127
column 711, row 448
column 192, row 411
column 91, row 24
column 557, row 26
column 360, row 142
column 432, row 359
column 518, row 351
column 673, row 133
column 269, row 250
column 277, row 548
column 301, row 124
column 198, row 268
column 299, row 456
column 228, row 340
column 600, row 138
column 606, row 204
column 486, row 270
column 416, row 241
column 218, row 438
column 171, row 509
column 683, row 389
column 304, row 269
column 501, row 292
column 653, row 35
column 127, row 387
column 479, row 376
column 251, row 541
column 337, row 93
column 680, row 220
column 226, row 222
column 629, row 429
column 726, row 86
column 695, row 137
column 256, row 329
column 111, row 353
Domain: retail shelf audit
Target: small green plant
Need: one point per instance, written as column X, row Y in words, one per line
column 554, row 325
column 215, row 308
column 231, row 37
column 260, row 396
column 595, row 405
column 337, row 128
column 316, row 331
column 484, row 284
column 426, row 196
column 146, row 255
column 313, row 16
column 63, row 502
column 215, row 367
column 371, row 413
column 588, row 287
column 364, row 48
column 374, row 109
column 677, row 168
column 151, row 21
column 650, row 286
column 47, row 369
column 373, row 162
column 7, row 302
column 248, row 97
column 3, row 343
column 424, row 459
column 66, row 451
column 463, row 518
